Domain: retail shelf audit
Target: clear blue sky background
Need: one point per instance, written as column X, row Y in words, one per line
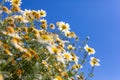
column 99, row 19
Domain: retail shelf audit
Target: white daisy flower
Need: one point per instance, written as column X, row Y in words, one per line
column 94, row 61
column 64, row 27
column 89, row 50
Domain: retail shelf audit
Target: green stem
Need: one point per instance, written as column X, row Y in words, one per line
column 89, row 74
column 85, row 56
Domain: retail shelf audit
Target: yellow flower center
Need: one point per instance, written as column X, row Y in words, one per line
column 90, row 50
column 64, row 27
column 55, row 50
column 58, row 78
column 46, row 37
column 67, row 56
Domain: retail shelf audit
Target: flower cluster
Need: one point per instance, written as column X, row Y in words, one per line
column 32, row 49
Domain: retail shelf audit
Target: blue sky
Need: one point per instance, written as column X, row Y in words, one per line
column 99, row 19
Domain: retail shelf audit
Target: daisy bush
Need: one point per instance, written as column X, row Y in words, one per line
column 32, row 49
